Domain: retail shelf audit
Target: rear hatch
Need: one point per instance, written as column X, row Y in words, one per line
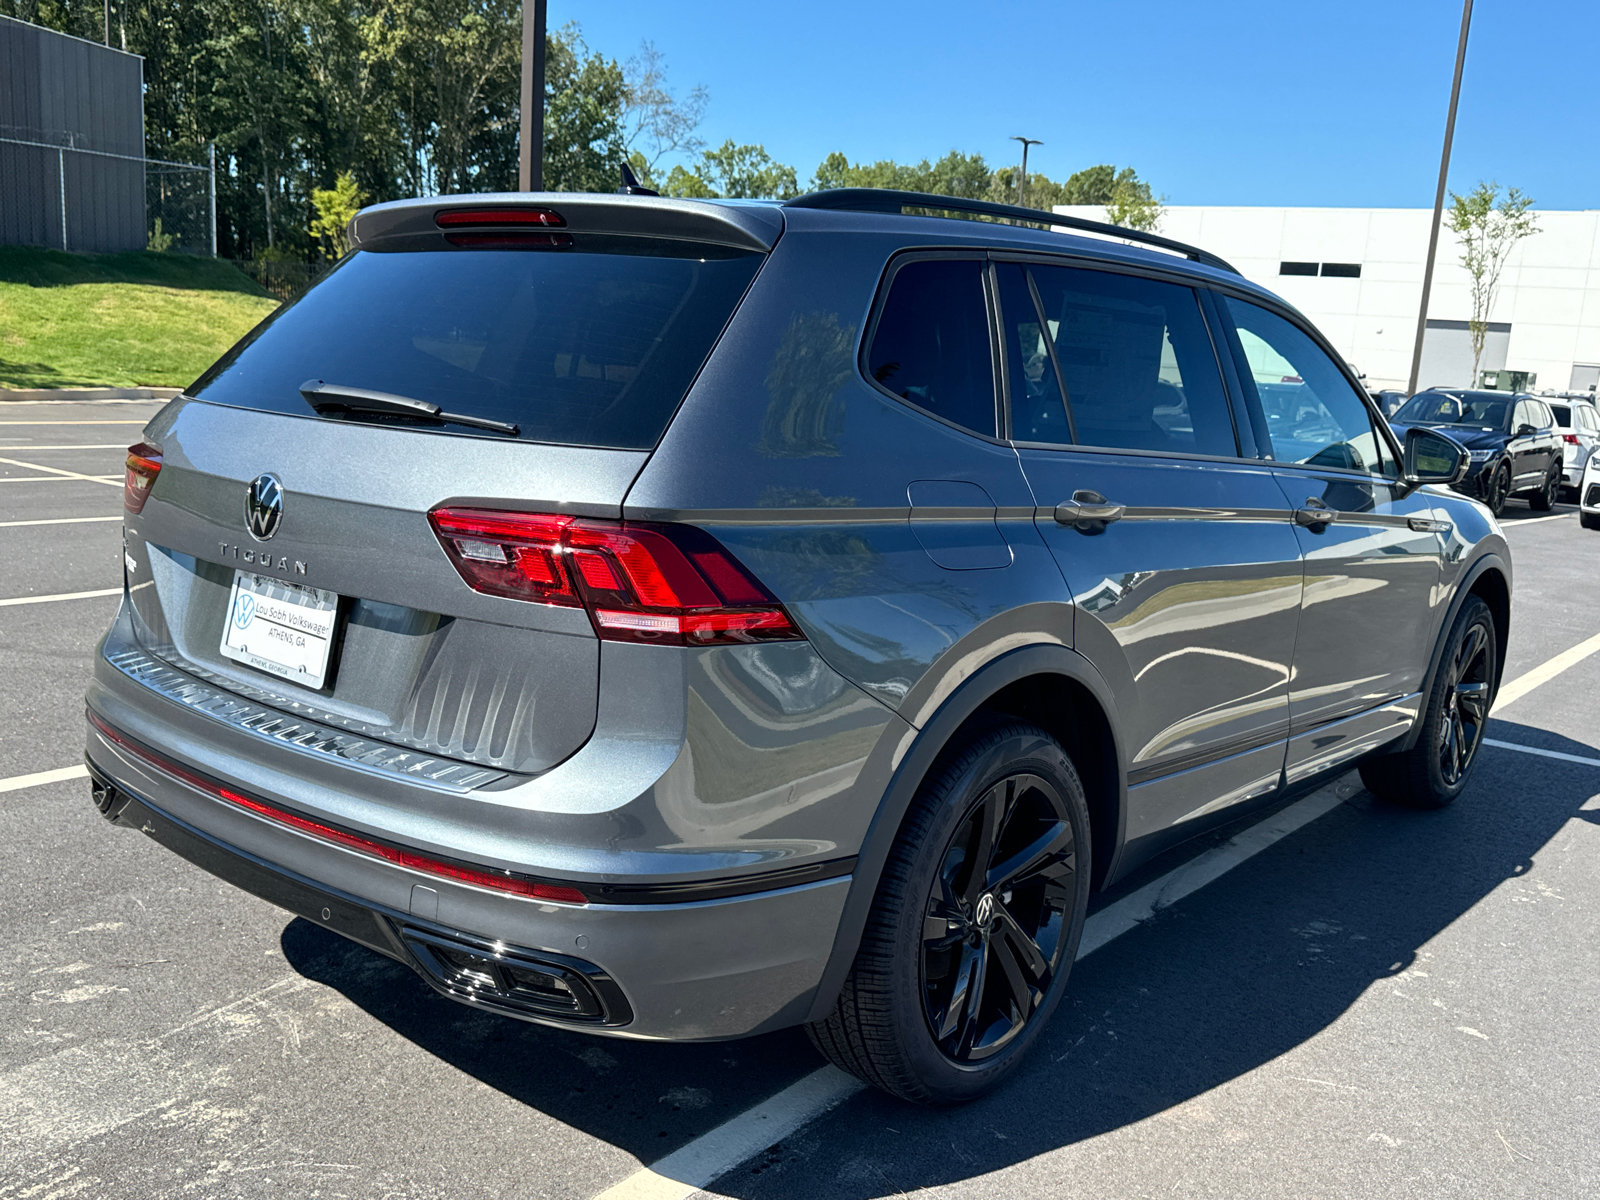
column 520, row 353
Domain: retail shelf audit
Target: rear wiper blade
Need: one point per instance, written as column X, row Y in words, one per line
column 337, row 397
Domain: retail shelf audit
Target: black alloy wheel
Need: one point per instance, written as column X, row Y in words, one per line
column 975, row 922
column 1434, row 770
column 1499, row 489
column 996, row 922
column 1466, row 706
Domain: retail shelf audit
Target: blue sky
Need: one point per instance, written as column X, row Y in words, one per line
column 1248, row 102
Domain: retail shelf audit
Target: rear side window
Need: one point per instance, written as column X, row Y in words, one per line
column 1563, row 415
column 1312, row 413
column 1038, row 413
column 931, row 344
column 1137, row 364
column 592, row 343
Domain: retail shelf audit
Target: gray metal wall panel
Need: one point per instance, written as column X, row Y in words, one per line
column 69, row 92
column 29, row 199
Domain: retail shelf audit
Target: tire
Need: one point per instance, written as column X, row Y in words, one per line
column 1499, row 489
column 1015, row 934
column 1589, row 520
column 1432, row 773
column 1545, row 498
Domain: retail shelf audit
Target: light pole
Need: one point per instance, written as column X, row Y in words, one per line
column 530, row 154
column 1022, row 184
column 1438, row 199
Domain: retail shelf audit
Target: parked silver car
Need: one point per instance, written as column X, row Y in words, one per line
column 681, row 620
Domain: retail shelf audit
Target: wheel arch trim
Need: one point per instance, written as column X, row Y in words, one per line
column 962, row 704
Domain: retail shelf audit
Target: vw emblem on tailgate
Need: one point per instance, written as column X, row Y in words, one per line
column 263, row 507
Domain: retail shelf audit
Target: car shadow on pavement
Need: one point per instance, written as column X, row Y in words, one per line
column 1226, row 980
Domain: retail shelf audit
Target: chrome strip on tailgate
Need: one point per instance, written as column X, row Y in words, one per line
column 299, row 735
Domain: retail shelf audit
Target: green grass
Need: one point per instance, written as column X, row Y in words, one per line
column 118, row 320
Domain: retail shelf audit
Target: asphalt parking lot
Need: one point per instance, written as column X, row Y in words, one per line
column 1377, row 1003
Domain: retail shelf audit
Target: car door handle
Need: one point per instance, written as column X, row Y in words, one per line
column 1088, row 512
column 1314, row 515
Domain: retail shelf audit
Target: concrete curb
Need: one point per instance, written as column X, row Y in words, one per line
column 81, row 394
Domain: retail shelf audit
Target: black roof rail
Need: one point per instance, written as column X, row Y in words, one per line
column 887, row 200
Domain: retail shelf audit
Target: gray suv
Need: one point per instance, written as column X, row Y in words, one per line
column 683, row 620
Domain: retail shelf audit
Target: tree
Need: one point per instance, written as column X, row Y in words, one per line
column 734, row 172
column 1133, row 205
column 336, row 207
column 1489, row 225
column 658, row 123
column 585, row 141
column 956, row 174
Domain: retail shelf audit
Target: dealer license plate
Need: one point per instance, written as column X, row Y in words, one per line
column 280, row 628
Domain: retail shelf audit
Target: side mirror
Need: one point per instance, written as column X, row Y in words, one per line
column 1525, row 431
column 1431, row 457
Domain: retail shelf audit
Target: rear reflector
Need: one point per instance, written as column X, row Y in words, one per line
column 466, row 218
column 672, row 585
column 499, row 881
column 143, row 465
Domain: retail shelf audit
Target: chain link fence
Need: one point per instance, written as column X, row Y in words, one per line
column 285, row 280
column 57, row 193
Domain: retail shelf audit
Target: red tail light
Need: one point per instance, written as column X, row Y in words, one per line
column 459, row 218
column 1570, row 439
column 500, row 881
column 144, row 464
column 671, row 585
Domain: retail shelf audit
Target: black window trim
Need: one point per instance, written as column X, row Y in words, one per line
column 1379, row 423
column 880, row 299
column 1085, row 262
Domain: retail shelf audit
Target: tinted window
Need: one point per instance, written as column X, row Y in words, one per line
column 931, row 346
column 1136, row 361
column 1446, row 408
column 1037, row 413
column 1563, row 415
column 1312, row 412
column 592, row 344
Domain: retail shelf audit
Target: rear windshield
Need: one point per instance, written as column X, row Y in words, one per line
column 590, row 344
column 1563, row 415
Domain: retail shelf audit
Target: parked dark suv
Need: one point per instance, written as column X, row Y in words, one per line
column 682, row 620
column 1511, row 437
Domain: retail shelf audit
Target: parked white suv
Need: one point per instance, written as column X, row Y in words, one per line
column 1578, row 426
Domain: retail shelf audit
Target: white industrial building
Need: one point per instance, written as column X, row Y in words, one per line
column 1357, row 273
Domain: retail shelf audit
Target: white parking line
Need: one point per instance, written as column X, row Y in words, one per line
column 1575, row 758
column 39, row 778
column 64, row 479
column 108, row 480
column 57, row 521
column 688, row 1170
column 1519, row 687
column 74, row 422
column 116, row 591
column 1535, row 520
column 94, row 446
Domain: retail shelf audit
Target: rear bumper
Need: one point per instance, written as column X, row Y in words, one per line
column 698, row 970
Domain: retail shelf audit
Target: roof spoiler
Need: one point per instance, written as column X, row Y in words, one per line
column 887, row 200
column 741, row 226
